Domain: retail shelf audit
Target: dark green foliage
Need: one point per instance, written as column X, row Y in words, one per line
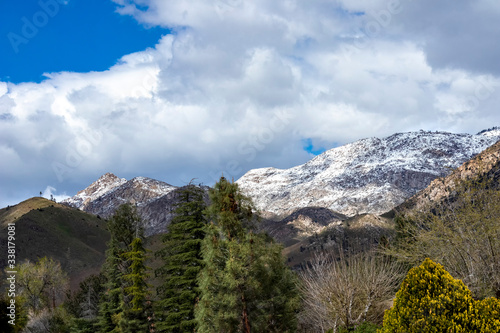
column 230, row 210
column 134, row 317
column 125, row 225
column 276, row 300
column 83, row 305
column 20, row 319
column 245, row 284
column 82, row 325
column 123, row 307
column 182, row 262
column 58, row 322
column 110, row 304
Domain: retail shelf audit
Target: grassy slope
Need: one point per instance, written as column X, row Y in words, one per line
column 10, row 214
column 44, row 228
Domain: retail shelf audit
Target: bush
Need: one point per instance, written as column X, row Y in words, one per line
column 430, row 300
column 487, row 315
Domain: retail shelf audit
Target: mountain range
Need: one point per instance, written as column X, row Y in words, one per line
column 369, row 176
column 402, row 172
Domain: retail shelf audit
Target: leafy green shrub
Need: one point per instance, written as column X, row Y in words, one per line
column 431, row 300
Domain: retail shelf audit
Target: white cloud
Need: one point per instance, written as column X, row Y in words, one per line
column 3, row 88
column 50, row 193
column 239, row 85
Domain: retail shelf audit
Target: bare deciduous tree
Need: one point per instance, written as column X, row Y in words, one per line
column 463, row 234
column 347, row 291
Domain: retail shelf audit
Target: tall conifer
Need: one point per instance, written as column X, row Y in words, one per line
column 182, row 263
column 135, row 318
column 245, row 284
column 124, row 226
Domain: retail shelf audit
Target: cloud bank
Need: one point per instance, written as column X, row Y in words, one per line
column 241, row 84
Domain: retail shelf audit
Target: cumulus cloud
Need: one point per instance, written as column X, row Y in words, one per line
column 240, row 84
column 50, row 193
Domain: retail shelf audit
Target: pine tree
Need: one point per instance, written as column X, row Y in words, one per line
column 124, row 227
column 134, row 317
column 83, row 305
column 245, row 285
column 110, row 306
column 182, row 262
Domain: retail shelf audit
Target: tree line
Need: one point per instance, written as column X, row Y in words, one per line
column 218, row 273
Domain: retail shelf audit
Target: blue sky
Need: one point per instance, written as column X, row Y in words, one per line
column 311, row 148
column 79, row 36
column 180, row 89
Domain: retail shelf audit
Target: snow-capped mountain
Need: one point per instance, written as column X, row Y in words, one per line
column 367, row 176
column 105, row 184
column 104, row 195
column 155, row 200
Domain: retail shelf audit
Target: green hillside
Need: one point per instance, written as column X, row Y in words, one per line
column 44, row 228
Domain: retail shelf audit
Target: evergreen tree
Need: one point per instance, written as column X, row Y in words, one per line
column 110, row 306
column 124, row 227
column 245, row 285
column 182, row 262
column 134, row 317
column 83, row 305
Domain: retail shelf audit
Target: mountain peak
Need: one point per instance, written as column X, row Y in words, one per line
column 104, row 195
column 105, row 184
column 101, row 186
column 490, row 132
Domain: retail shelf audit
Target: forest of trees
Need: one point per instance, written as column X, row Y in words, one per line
column 218, row 273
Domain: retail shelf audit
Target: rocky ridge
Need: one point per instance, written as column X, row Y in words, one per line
column 367, row 176
column 104, row 195
column 484, row 165
column 370, row 176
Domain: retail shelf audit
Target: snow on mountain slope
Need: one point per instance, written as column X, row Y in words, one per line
column 105, row 184
column 104, row 195
column 367, row 176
